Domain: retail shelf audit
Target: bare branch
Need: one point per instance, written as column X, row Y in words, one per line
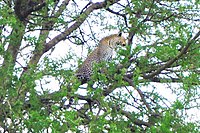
column 119, row 14
column 139, row 92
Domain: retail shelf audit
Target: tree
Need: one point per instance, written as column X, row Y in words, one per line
column 162, row 55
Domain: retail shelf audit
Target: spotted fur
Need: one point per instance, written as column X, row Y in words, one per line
column 103, row 52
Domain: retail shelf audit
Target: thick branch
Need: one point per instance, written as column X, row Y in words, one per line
column 24, row 8
column 16, row 37
column 69, row 30
column 78, row 22
column 44, row 33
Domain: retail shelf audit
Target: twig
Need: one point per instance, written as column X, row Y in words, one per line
column 139, row 91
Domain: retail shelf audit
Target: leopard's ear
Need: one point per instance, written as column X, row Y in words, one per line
column 119, row 34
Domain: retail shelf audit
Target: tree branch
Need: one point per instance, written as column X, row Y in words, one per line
column 78, row 22
column 69, row 30
column 123, row 112
column 119, row 14
column 170, row 62
column 24, row 8
column 135, row 121
column 62, row 7
column 139, row 92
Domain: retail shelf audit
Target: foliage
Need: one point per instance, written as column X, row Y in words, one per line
column 152, row 84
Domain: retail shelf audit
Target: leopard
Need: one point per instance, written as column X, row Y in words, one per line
column 104, row 52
